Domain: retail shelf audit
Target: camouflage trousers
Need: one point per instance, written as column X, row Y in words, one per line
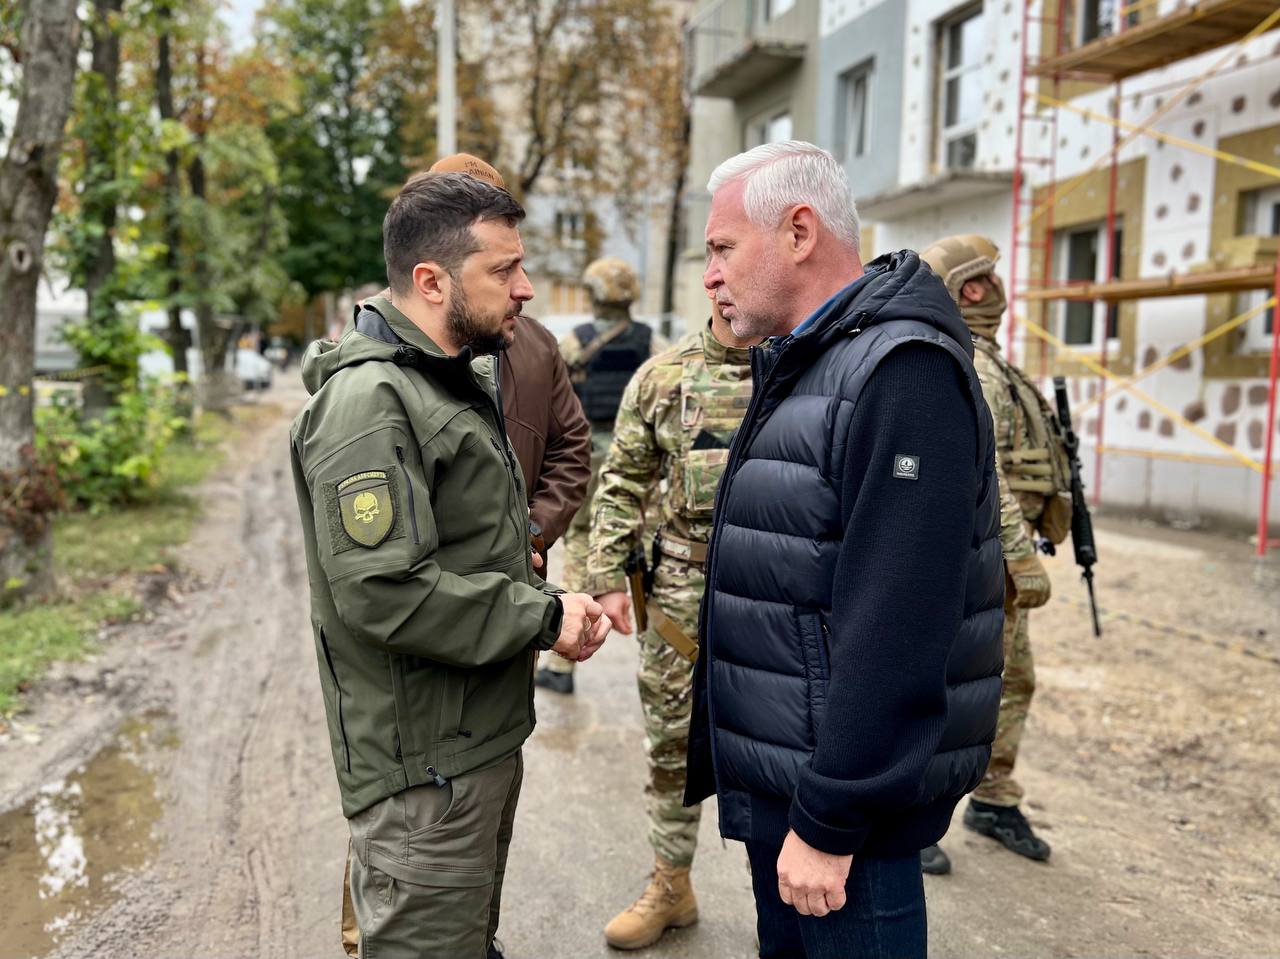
column 666, row 699
column 575, row 542
column 998, row 787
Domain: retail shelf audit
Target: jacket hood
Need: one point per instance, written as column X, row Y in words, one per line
column 324, row 358
column 388, row 336
column 895, row 286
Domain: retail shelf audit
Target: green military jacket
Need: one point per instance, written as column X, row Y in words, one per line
column 425, row 607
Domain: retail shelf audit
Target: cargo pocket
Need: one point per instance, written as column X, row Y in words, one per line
column 703, row 469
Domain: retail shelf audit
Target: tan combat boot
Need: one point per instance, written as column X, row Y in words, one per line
column 667, row 903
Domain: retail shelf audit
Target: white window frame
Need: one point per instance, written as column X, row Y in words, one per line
column 1061, row 253
column 855, row 146
column 949, row 134
column 1262, row 222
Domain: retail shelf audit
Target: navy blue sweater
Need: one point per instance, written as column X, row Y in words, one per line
column 899, row 587
column 849, row 681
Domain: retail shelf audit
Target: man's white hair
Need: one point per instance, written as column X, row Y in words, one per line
column 779, row 176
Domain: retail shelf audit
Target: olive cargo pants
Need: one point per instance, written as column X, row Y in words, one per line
column 426, row 869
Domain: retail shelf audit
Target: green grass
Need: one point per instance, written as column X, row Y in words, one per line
column 95, row 555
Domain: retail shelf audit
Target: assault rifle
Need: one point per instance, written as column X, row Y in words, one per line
column 1081, row 523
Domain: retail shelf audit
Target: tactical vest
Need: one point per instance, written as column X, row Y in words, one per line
column 710, row 412
column 1037, row 468
column 602, row 378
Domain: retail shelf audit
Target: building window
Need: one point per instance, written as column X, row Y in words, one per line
column 772, row 9
column 1080, row 256
column 1098, row 19
column 960, row 40
column 571, row 228
column 854, row 120
column 1259, row 216
column 772, row 128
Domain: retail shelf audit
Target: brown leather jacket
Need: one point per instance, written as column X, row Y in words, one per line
column 547, row 429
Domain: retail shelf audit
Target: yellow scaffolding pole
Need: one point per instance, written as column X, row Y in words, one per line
column 1217, row 154
column 1223, row 330
column 1205, row 458
column 1150, row 400
column 1055, row 195
column 1128, row 8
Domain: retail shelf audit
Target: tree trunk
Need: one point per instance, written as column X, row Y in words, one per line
column 172, row 196
column 217, row 385
column 102, row 164
column 28, row 188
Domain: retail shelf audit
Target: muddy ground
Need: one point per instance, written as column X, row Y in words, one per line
column 173, row 796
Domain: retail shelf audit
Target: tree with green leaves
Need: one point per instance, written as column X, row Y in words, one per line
column 340, row 146
column 28, row 187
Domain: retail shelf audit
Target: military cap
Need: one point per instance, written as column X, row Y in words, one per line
column 958, row 259
column 611, row 280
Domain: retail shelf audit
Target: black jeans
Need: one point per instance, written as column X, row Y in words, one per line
column 884, row 917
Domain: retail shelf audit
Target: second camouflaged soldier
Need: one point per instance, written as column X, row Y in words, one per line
column 602, row 356
column 674, row 425
column 1034, row 499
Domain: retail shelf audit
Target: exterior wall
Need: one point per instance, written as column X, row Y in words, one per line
column 720, row 128
column 1002, row 26
column 988, row 216
column 1187, row 207
column 853, row 34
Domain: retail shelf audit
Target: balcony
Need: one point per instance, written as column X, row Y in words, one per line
column 952, row 186
column 733, row 49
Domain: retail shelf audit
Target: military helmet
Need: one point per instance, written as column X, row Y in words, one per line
column 611, row 280
column 958, row 259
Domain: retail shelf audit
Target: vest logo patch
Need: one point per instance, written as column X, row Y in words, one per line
column 906, row 466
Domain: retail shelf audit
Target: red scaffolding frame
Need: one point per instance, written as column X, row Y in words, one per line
column 1140, row 41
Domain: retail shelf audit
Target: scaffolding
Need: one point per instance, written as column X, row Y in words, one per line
column 1140, row 39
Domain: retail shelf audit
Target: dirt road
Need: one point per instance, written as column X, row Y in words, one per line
column 174, row 796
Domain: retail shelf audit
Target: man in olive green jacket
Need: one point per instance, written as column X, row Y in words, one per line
column 425, row 605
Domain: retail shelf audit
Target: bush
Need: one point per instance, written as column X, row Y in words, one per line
column 113, row 459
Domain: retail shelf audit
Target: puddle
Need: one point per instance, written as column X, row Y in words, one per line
column 64, row 854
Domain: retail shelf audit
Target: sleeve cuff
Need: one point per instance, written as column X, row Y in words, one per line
column 598, row 585
column 819, row 835
column 551, row 623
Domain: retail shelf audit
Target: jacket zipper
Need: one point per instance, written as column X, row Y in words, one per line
column 504, row 449
column 408, row 485
column 342, row 726
column 760, row 377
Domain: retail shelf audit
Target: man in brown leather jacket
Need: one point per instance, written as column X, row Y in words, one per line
column 547, row 429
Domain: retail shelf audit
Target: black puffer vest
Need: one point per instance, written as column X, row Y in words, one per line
column 793, row 435
column 601, row 381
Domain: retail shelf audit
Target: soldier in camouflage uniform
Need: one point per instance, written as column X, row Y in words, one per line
column 1029, row 465
column 602, row 356
column 673, row 430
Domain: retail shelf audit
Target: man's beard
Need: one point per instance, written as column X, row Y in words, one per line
column 467, row 329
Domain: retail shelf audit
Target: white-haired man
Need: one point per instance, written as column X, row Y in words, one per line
column 848, row 684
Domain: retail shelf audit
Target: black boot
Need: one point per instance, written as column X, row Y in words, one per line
column 556, row 682
column 1009, row 826
column 934, row 861
column 495, row 950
